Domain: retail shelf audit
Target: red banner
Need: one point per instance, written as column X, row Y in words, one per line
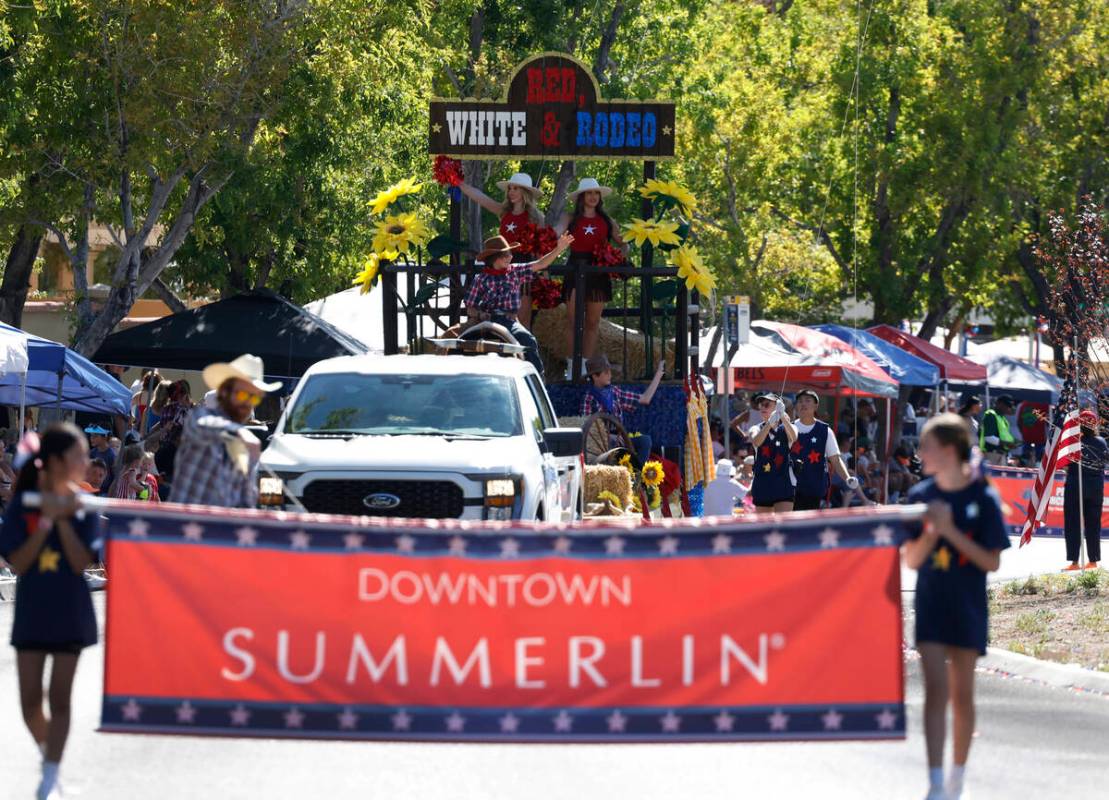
column 1015, row 487
column 251, row 624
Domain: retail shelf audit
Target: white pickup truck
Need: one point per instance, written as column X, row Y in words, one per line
column 431, row 436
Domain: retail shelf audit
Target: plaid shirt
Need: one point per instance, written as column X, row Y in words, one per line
column 204, row 472
column 499, row 293
column 623, row 402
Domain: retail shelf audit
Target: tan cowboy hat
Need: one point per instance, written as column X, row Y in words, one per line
column 597, row 364
column 495, row 246
column 523, row 180
column 589, row 185
column 246, row 368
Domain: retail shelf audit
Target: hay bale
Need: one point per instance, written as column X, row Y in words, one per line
column 550, row 329
column 600, row 478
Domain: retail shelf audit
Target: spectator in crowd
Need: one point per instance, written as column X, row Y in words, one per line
column 1083, row 510
column 148, row 479
column 867, row 419
column 994, row 435
column 99, row 448
column 217, row 459
column 970, row 406
column 1032, row 423
column 96, row 476
column 901, row 477
column 166, row 435
column 127, row 485
column 723, row 492
column 716, row 428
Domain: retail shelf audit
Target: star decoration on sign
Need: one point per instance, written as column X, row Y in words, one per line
column 294, row 718
column 457, row 546
column 563, row 544
column 131, row 710
column 778, row 721
column 240, row 715
column 186, row 714
column 193, row 532
column 941, row 559
column 247, row 537
column 667, row 130
column 722, row 543
column 614, row 546
column 406, row 543
column 436, row 127
column 402, row 721
column 456, row 723
column 883, row 534
column 48, row 559
column 775, row 540
column 138, row 528
column 563, row 723
column 510, row 548
column 829, row 537
column 668, row 546
column 617, row 722
column 590, row 229
column 671, row 722
column 724, row 722
column 509, row 723
column 348, row 720
column 886, row 720
column 832, row 720
column 354, row 541
column 300, row 540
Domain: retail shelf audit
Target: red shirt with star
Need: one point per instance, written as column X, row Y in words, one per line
column 588, row 232
column 512, row 225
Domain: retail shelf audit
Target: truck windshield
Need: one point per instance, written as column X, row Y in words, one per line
column 398, row 405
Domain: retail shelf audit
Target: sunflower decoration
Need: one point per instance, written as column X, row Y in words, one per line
column 654, row 498
column 399, row 232
column 389, row 196
column 692, row 269
column 652, row 473
column 657, row 232
column 367, row 278
column 635, row 506
column 670, row 194
column 626, row 461
column 610, row 497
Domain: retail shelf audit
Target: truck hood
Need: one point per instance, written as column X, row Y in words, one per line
column 296, row 453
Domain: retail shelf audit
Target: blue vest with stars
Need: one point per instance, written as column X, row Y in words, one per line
column 810, row 466
column 771, row 478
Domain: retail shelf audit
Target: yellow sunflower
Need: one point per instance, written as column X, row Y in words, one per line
column 612, row 498
column 672, row 190
column 626, row 461
column 399, row 232
column 643, row 230
column 692, row 269
column 389, row 196
column 368, row 276
column 653, row 473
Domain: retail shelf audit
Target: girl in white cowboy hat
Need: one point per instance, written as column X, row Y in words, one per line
column 516, row 211
column 591, row 226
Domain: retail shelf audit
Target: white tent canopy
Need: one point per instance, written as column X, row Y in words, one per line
column 361, row 316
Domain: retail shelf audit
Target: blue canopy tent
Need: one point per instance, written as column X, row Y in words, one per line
column 62, row 378
column 903, row 367
column 1022, row 381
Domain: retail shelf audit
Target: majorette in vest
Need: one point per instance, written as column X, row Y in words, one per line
column 810, row 466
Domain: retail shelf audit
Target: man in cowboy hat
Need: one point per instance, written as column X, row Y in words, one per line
column 217, row 458
column 494, row 294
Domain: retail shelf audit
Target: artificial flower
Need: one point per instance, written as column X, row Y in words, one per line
column 641, row 231
column 367, row 278
column 692, row 269
column 654, row 498
column 653, row 473
column 400, row 232
column 389, row 196
column 447, row 171
column 635, row 506
column 626, row 461
column 612, row 498
column 677, row 194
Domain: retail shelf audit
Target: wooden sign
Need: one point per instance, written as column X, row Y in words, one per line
column 552, row 109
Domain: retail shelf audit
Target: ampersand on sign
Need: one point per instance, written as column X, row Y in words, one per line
column 549, row 134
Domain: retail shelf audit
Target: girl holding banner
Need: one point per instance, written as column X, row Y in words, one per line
column 961, row 540
column 49, row 548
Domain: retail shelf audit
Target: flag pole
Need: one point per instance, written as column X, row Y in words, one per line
column 1081, row 491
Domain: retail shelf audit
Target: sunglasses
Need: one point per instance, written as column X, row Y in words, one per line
column 243, row 396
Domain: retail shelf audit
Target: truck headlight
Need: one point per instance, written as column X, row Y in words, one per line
column 271, row 491
column 501, row 497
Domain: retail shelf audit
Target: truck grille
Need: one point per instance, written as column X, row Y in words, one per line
column 424, row 499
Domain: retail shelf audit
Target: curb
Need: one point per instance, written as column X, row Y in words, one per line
column 1065, row 676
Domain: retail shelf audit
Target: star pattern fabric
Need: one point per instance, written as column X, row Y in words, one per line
column 48, row 559
column 941, row 559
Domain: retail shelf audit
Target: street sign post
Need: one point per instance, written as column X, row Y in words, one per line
column 736, row 331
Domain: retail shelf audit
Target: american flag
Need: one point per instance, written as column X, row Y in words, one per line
column 1063, row 447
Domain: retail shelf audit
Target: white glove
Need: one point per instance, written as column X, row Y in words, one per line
column 780, row 408
column 992, row 440
column 852, row 483
column 774, row 418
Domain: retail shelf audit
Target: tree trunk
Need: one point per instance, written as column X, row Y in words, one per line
column 17, row 273
column 562, row 187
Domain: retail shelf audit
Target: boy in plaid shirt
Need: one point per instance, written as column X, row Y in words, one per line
column 601, row 395
column 494, row 295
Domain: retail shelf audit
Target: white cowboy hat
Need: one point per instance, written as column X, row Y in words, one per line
column 246, row 367
column 589, row 185
column 521, row 179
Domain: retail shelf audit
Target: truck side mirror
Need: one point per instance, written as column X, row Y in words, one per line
column 564, row 442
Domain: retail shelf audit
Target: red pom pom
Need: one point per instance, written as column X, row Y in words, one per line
column 545, row 293
column 524, row 236
column 544, row 240
column 605, row 255
column 447, row 171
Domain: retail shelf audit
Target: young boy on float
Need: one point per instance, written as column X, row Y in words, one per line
column 959, row 542
column 516, row 212
column 815, row 449
column 772, row 488
column 494, row 294
column 591, row 226
column 603, row 396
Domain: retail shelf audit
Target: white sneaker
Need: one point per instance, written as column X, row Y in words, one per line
column 959, row 793
column 936, row 793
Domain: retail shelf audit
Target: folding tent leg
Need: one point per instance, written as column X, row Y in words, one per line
column 22, row 403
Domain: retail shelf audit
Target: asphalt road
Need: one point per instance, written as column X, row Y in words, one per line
column 1034, row 741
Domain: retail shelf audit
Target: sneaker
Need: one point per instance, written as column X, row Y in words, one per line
column 957, row 794
column 1092, row 565
column 1071, row 567
column 936, row 793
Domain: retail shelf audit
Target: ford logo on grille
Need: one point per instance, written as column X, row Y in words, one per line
column 382, row 501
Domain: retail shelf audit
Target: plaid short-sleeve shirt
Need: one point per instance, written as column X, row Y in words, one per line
column 623, row 402
column 499, row 292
